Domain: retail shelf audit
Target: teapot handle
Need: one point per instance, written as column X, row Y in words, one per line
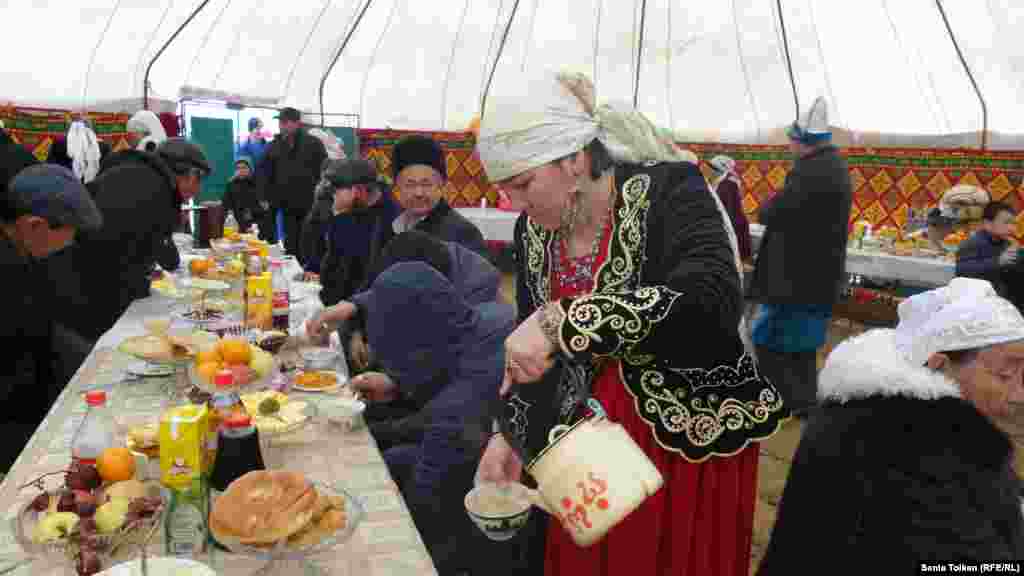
column 537, row 500
column 593, row 404
column 556, row 432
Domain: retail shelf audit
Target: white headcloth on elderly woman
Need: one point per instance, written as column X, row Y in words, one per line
column 965, row 314
column 532, row 123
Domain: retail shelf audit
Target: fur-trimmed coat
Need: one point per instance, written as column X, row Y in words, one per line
column 894, row 470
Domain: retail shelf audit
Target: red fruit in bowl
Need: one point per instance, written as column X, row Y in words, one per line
column 66, row 502
column 85, row 503
column 41, row 502
column 82, row 477
column 242, row 375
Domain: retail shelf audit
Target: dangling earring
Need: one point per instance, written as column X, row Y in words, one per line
column 571, row 212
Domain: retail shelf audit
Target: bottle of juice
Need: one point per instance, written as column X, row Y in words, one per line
column 230, row 227
column 96, row 432
column 281, row 300
column 184, row 471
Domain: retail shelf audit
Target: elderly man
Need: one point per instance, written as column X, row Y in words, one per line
column 420, row 174
column 801, row 264
column 42, row 208
column 288, row 174
column 140, row 195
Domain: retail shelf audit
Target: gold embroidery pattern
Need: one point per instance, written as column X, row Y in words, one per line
column 537, row 242
column 627, row 253
column 607, row 324
column 718, row 411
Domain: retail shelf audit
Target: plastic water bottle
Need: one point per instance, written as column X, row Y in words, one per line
column 230, row 225
column 96, row 432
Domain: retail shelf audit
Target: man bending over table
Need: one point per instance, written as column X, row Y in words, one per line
column 443, row 355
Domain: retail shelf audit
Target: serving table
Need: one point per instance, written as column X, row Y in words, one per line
column 386, row 543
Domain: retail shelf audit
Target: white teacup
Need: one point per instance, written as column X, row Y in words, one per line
column 591, row 476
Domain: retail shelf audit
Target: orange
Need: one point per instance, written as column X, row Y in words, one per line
column 235, row 352
column 207, row 370
column 200, row 267
column 116, row 465
column 204, row 356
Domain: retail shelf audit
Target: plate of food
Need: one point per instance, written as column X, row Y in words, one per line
column 85, row 521
column 317, row 381
column 150, row 370
column 159, row 348
column 250, row 366
column 160, row 566
column 275, row 413
column 204, row 284
column 303, row 519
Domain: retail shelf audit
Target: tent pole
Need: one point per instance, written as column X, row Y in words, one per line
column 789, row 60
column 149, row 68
column 640, row 54
column 497, row 58
column 970, row 76
column 344, row 43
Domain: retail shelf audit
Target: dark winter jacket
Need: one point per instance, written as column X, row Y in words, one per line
column 802, row 258
column 465, row 343
column 107, row 269
column 288, row 172
column 476, row 281
column 244, row 199
column 445, row 223
column 893, row 471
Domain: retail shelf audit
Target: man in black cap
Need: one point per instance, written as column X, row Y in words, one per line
column 354, row 209
column 420, row 173
column 140, row 195
column 288, row 175
column 42, row 208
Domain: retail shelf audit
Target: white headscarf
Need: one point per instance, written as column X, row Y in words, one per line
column 555, row 116
column 724, row 168
column 963, row 315
column 84, row 150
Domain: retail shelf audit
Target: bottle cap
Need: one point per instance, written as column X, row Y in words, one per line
column 237, row 421
column 96, row 398
column 223, row 379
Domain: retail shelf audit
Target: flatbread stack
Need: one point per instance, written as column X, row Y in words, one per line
column 266, row 507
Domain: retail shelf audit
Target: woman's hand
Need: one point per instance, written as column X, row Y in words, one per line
column 375, row 386
column 527, row 353
column 499, row 462
column 359, row 351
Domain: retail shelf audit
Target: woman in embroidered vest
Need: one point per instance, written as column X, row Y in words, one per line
column 902, row 465
column 628, row 292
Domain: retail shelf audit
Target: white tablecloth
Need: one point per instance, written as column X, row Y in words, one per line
column 495, row 225
column 916, row 271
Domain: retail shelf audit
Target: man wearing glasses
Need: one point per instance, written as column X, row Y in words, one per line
column 140, row 195
column 420, row 173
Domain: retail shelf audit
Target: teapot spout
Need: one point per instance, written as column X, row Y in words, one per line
column 537, row 500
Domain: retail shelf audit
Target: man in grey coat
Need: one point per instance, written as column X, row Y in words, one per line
column 801, row 266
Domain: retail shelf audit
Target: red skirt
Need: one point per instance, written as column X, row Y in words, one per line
column 698, row 524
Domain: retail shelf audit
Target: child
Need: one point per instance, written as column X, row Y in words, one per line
column 244, row 199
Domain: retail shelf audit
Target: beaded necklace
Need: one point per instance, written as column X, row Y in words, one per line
column 577, row 274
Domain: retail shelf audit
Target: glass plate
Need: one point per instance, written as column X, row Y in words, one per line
column 355, row 511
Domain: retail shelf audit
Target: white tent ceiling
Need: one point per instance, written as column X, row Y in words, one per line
column 713, row 70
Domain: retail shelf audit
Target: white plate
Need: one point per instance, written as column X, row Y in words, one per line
column 147, row 370
column 160, row 566
column 341, row 382
column 204, row 284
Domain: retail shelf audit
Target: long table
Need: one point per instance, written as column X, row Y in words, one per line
column 386, row 543
column 499, row 225
column 906, row 269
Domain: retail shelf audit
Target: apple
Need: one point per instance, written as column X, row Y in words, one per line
column 55, row 526
column 242, row 375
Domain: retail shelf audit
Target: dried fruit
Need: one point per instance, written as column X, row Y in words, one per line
column 41, row 502
column 66, row 502
column 82, row 477
column 88, row 563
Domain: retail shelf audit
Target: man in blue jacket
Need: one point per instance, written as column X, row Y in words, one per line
column 438, row 337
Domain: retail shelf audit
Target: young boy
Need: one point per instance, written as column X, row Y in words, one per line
column 989, row 254
column 244, row 199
